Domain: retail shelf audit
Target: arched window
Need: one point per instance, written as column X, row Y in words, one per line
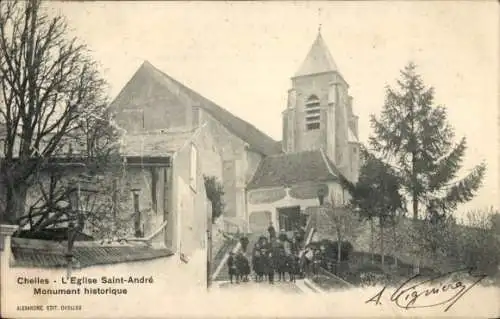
column 313, row 113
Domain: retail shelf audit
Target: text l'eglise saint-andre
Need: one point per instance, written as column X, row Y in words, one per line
column 83, row 280
column 74, row 280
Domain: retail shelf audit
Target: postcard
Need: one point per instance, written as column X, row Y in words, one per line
column 249, row 159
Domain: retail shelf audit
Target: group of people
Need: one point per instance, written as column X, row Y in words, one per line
column 272, row 255
column 239, row 267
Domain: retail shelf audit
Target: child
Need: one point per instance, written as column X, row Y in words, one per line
column 231, row 264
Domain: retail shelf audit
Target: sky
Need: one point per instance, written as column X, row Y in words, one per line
column 241, row 55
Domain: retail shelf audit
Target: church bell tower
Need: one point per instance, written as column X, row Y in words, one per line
column 319, row 111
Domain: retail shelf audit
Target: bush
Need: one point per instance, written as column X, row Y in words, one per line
column 215, row 193
column 331, row 249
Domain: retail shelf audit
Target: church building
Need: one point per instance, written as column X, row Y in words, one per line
column 320, row 145
column 264, row 180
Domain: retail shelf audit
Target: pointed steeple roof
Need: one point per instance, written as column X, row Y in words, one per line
column 318, row 60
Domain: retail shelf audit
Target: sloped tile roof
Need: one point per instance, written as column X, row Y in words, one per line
column 181, row 94
column 318, row 60
column 156, row 144
column 292, row 168
column 50, row 254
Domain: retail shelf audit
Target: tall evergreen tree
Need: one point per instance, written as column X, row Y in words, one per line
column 413, row 135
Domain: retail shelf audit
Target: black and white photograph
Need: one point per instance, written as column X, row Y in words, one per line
column 249, row 159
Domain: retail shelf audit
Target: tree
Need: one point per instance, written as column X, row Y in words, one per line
column 413, row 135
column 51, row 93
column 377, row 195
column 345, row 223
column 478, row 242
column 215, row 193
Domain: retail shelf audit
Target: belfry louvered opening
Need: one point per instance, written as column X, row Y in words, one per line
column 313, row 113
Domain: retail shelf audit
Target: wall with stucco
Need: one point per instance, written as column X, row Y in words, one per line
column 238, row 163
column 100, row 203
column 320, row 86
column 146, row 103
column 262, row 204
column 190, row 201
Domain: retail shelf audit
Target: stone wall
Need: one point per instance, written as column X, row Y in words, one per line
column 335, row 117
column 147, row 104
column 190, row 198
column 140, row 178
column 318, row 85
column 238, row 164
column 263, row 203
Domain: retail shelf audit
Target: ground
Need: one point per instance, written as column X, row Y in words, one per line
column 286, row 287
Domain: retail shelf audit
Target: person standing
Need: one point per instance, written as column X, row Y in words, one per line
column 272, row 232
column 308, row 259
column 294, row 248
column 244, row 243
column 257, row 265
column 231, row 264
column 242, row 267
column 301, row 235
column 316, row 261
column 271, row 267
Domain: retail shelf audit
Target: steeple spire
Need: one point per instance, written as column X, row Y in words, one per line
column 318, row 60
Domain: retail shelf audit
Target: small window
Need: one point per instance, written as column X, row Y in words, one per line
column 193, row 166
column 313, row 113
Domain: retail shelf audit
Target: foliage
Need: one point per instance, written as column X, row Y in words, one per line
column 478, row 244
column 413, row 135
column 448, row 245
column 377, row 192
column 101, row 199
column 215, row 193
column 331, row 249
column 52, row 96
column 377, row 195
column 345, row 222
column 58, row 130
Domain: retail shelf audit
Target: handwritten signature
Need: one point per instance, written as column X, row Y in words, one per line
column 417, row 292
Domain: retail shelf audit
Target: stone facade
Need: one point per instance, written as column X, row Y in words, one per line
column 319, row 113
column 154, row 101
column 263, row 204
column 232, row 150
column 151, row 106
column 239, row 163
column 151, row 191
column 189, row 196
column 318, row 117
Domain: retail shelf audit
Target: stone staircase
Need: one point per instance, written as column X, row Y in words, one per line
column 222, row 274
column 221, row 257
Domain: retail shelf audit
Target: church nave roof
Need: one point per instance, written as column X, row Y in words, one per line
column 293, row 168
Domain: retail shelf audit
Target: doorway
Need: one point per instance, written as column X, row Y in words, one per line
column 289, row 218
